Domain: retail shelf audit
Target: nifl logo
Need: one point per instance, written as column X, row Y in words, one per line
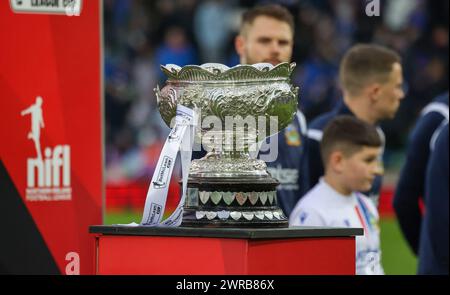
column 48, row 175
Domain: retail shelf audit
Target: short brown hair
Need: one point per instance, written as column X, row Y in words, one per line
column 349, row 135
column 272, row 10
column 364, row 64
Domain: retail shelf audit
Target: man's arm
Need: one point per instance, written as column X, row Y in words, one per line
column 437, row 198
column 410, row 187
column 303, row 178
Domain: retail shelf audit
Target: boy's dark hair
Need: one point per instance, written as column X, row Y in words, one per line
column 347, row 134
column 364, row 64
column 272, row 10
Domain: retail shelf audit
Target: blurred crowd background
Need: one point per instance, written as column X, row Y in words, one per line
column 141, row 35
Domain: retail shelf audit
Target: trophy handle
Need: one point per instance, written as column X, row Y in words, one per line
column 292, row 66
column 295, row 90
column 166, row 99
column 157, row 93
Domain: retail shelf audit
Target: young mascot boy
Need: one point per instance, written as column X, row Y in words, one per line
column 350, row 150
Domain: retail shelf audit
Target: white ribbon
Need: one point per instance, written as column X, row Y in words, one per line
column 180, row 139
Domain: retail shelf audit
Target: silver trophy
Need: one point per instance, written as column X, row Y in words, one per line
column 238, row 108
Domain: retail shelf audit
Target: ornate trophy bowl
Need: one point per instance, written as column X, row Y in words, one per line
column 237, row 107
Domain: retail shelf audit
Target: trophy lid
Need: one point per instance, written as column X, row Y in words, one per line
column 219, row 72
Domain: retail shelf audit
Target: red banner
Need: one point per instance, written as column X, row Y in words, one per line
column 51, row 135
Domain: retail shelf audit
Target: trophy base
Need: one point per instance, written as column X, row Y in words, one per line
column 245, row 202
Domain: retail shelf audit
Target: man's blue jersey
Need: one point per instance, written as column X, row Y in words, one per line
column 287, row 168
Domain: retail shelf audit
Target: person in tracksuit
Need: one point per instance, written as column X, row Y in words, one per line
column 411, row 184
column 433, row 246
column 371, row 80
